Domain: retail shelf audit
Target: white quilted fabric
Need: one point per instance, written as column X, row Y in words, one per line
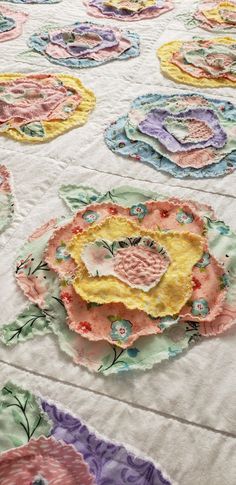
column 181, row 413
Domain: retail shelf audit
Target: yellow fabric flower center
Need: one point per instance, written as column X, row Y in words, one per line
column 167, row 297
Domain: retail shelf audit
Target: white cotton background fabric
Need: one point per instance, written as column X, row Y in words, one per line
column 182, row 412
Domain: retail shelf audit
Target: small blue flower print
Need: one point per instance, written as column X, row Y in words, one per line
column 133, row 352
column 121, row 330
column 200, row 307
column 90, row 216
column 223, row 229
column 224, row 280
column 62, row 253
column 184, row 217
column 139, row 210
column 204, row 261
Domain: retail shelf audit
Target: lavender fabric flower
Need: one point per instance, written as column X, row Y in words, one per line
column 92, row 39
column 210, row 133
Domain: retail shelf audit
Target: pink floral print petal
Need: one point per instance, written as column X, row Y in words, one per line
column 47, row 460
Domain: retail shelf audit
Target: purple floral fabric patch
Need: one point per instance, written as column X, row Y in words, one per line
column 196, row 128
column 111, row 464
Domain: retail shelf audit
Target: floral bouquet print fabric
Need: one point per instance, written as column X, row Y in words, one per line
column 200, row 62
column 11, row 23
column 44, row 461
column 85, row 44
column 6, row 199
column 66, row 445
column 216, row 16
column 185, row 135
column 42, row 106
column 128, row 10
column 138, row 313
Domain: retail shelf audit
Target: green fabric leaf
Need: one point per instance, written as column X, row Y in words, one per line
column 31, row 322
column 21, row 417
column 77, row 196
column 35, row 130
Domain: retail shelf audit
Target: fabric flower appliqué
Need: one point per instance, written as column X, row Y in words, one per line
column 33, row 106
column 128, row 10
column 186, row 135
column 216, row 16
column 11, row 23
column 152, row 282
column 201, row 63
column 84, row 44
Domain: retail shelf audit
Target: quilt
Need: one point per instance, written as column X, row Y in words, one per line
column 117, row 241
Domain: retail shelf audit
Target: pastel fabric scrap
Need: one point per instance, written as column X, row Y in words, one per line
column 32, row 1
column 215, row 16
column 11, row 23
column 42, row 106
column 201, row 63
column 185, row 135
column 6, row 198
column 200, row 316
column 44, row 461
column 165, row 298
column 65, row 442
column 128, row 10
column 85, row 44
column 138, row 262
column 109, row 462
column 21, row 418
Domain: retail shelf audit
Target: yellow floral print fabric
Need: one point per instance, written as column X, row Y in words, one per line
column 168, row 297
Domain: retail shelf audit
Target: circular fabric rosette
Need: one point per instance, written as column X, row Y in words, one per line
column 39, row 107
column 185, row 135
column 85, row 44
column 126, row 285
column 216, row 15
column 32, row 1
column 42, row 462
column 200, row 62
column 11, row 23
column 6, row 198
column 128, row 10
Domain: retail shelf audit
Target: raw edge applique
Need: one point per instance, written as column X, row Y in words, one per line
column 64, row 96
column 44, row 461
column 167, row 53
column 6, row 199
column 124, row 45
column 100, row 8
column 125, row 138
column 149, row 350
column 105, row 460
column 11, row 23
